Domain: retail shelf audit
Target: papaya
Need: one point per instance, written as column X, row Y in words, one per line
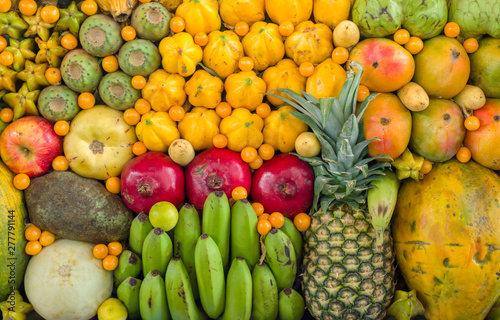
column 77, row 208
column 446, row 231
column 13, row 259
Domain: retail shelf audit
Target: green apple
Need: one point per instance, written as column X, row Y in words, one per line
column 163, row 215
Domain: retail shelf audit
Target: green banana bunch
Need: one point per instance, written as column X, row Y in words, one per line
column 180, row 297
column 405, row 306
column 210, row 276
column 186, row 234
column 129, row 265
column 128, row 294
column 156, row 252
column 139, row 230
column 291, row 305
column 281, row 258
column 264, row 293
column 238, row 291
column 216, row 222
column 152, row 297
column 382, row 197
column 289, row 229
column 244, row 236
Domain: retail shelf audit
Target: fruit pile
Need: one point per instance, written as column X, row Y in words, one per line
column 250, row 159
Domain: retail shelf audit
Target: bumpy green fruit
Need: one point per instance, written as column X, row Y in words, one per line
column 476, row 17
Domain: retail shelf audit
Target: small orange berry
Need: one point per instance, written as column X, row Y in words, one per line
column 27, row 7
column 142, row 106
column 61, row 127
column 363, row 93
column 245, row 64
column 340, row 55
column 115, row 248
column 6, row 58
column 201, row 39
column 47, row 238
column 401, row 36
column 414, row 45
column 258, row 207
column 241, row 28
column 277, row 219
column 69, row 41
column 113, row 185
column 5, row 5
column 110, row 64
column 302, row 221
column 89, row 7
column 6, row 115
column 139, row 148
column 463, row 154
column 219, row 141
column 249, row 154
column 86, row 100
column 138, row 82
column 263, row 110
column 32, row 233
column 33, row 248
column 471, row 45
column 286, row 28
column 128, row 33
column 223, row 109
column 239, row 193
column 100, row 251
column 264, row 216
column 21, row 181
column 266, row 151
column 50, row 14
column 306, row 69
column 131, row 116
column 451, row 29
column 257, row 163
column 426, row 167
column 110, row 262
column 144, row 1
column 177, row 24
column 60, row 163
column 3, row 43
column 176, row 113
column 53, row 75
column 472, row 123
column 263, row 227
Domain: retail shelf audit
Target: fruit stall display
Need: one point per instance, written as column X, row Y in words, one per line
column 250, row 159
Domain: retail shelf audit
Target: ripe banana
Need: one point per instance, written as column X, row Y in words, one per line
column 186, row 234
column 180, row 298
column 128, row 294
column 139, row 230
column 264, row 293
column 289, row 229
column 238, row 291
column 156, row 252
column 280, row 256
column 216, row 222
column 152, row 297
column 291, row 305
column 129, row 265
column 210, row 276
column 244, row 237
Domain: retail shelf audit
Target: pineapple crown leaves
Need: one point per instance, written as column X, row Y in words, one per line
column 343, row 171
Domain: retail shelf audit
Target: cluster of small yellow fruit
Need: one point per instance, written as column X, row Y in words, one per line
column 108, row 254
column 37, row 239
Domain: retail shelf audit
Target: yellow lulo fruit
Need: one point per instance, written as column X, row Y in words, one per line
column 157, row 131
column 204, row 90
column 281, row 129
column 331, row 12
column 294, row 11
column 242, row 129
column 199, row 16
column 245, row 90
column 199, row 126
column 249, row 11
column 264, row 44
column 222, row 52
column 327, row 80
column 164, row 90
column 309, row 42
column 446, row 231
column 171, row 5
column 286, row 75
column 180, row 54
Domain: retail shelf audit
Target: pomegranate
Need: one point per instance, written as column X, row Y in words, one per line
column 150, row 178
column 215, row 169
column 284, row 184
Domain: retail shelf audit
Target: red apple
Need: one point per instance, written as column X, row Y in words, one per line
column 29, row 144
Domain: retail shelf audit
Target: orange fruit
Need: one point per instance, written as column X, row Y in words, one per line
column 32, row 233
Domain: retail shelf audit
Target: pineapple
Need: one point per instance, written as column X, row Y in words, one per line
column 346, row 275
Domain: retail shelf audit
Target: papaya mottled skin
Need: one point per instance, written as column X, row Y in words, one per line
column 446, row 233
column 77, row 208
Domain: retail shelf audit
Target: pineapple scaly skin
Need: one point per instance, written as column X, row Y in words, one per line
column 345, row 275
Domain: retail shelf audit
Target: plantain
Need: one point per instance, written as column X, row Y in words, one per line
column 139, row 230
column 291, row 305
column 129, row 265
column 156, row 252
column 244, row 237
column 128, row 293
column 264, row 293
column 238, row 291
column 152, row 297
column 291, row 231
column 281, row 258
